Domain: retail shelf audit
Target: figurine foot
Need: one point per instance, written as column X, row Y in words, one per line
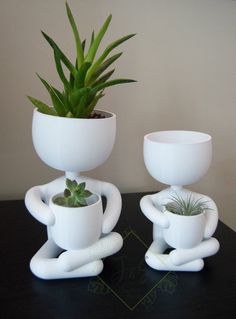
column 106, row 246
column 45, row 264
column 206, row 248
column 163, row 262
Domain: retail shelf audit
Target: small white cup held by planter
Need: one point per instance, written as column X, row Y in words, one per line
column 77, row 227
column 179, row 158
column 184, row 231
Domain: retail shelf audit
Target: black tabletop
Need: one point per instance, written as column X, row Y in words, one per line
column 127, row 287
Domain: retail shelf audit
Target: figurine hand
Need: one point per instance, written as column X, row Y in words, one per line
column 155, row 215
column 164, row 222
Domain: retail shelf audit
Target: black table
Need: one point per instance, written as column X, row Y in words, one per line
column 127, row 287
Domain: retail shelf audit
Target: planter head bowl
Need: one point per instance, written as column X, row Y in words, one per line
column 73, row 144
column 177, row 157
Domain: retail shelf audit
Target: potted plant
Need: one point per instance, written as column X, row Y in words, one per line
column 72, row 137
column 187, row 221
column 78, row 216
column 87, row 80
column 72, row 120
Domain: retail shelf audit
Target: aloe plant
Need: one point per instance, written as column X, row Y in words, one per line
column 85, row 81
column 188, row 207
column 74, row 195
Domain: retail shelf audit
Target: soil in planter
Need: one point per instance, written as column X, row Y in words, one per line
column 96, row 115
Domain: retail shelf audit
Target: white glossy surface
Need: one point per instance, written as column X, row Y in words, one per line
column 74, row 145
column 60, row 141
column 184, row 231
column 77, row 227
column 45, row 263
column 177, row 157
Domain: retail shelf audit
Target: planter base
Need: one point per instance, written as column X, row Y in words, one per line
column 73, row 264
column 180, row 259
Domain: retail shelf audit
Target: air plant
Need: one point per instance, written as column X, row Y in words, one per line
column 188, row 207
column 75, row 195
column 85, row 83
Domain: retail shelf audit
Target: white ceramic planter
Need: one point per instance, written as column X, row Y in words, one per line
column 184, row 231
column 60, row 141
column 77, row 227
column 177, row 157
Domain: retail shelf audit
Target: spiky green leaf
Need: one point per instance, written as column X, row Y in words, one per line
column 103, row 78
column 102, row 67
column 42, row 107
column 97, row 40
column 83, row 45
column 75, row 96
column 91, row 40
column 81, row 74
column 105, row 53
column 62, row 56
column 60, row 70
column 79, row 47
column 111, row 83
column 92, row 105
column 56, row 99
column 82, row 103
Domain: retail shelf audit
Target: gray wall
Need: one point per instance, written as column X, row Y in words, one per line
column 183, row 58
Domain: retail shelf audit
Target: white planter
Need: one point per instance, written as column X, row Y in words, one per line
column 77, row 227
column 184, row 231
column 177, row 157
column 60, row 141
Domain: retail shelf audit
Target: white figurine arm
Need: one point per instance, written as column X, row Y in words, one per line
column 152, row 213
column 35, row 205
column 211, row 218
column 113, row 207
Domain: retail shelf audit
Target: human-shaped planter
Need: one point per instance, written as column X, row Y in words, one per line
column 73, row 145
column 178, row 158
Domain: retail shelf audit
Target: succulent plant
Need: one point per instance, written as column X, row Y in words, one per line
column 188, row 207
column 86, row 81
column 74, row 195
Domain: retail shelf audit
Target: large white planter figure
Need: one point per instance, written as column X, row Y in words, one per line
column 178, row 158
column 74, row 145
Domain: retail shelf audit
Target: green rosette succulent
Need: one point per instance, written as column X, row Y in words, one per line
column 75, row 195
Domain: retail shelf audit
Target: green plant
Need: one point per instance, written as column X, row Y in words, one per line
column 86, row 81
column 188, row 207
column 74, row 195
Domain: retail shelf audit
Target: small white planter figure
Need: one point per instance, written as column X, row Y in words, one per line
column 74, row 145
column 179, row 158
